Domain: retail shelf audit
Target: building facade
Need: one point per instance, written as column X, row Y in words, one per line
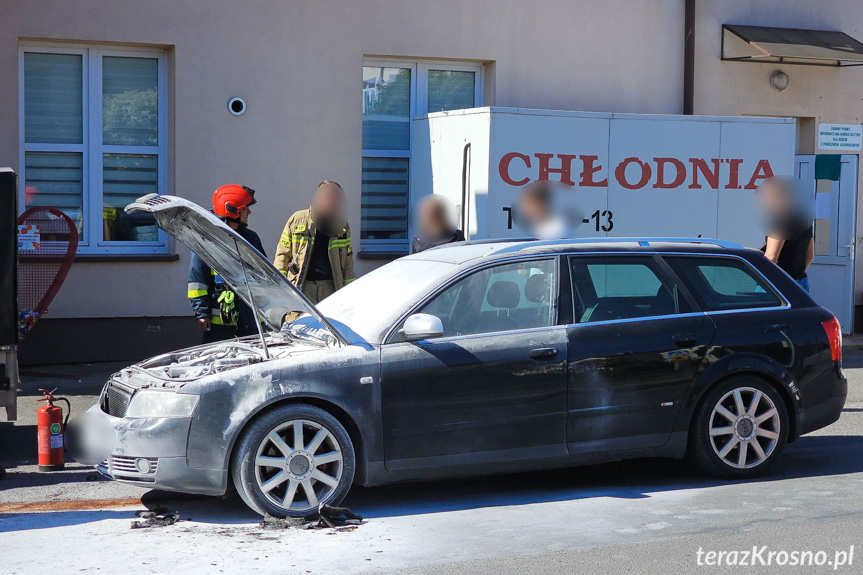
column 108, row 100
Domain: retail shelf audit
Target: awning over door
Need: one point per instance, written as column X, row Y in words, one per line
column 790, row 46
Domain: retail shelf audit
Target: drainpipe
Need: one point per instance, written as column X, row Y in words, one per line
column 689, row 57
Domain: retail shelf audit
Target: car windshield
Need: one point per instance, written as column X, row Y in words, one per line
column 369, row 306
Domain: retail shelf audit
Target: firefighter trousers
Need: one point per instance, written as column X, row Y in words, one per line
column 316, row 291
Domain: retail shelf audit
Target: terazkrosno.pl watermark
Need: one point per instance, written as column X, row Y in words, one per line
column 763, row 556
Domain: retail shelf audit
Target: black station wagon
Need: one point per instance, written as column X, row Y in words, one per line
column 478, row 358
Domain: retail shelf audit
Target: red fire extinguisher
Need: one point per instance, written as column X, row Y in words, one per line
column 50, row 428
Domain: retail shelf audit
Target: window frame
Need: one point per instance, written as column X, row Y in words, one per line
column 753, row 269
column 423, row 69
column 655, row 264
column 91, row 147
column 452, row 280
column 418, row 107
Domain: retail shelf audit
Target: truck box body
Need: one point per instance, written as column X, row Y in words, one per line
column 634, row 175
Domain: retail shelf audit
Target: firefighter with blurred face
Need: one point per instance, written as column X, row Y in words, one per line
column 220, row 313
column 315, row 251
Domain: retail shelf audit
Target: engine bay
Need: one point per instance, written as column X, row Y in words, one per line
column 196, row 363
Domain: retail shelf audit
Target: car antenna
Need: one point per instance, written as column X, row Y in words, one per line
column 252, row 301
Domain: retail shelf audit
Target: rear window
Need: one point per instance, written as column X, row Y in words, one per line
column 722, row 284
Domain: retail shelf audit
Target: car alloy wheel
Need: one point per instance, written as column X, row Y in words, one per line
column 298, row 465
column 291, row 459
column 744, row 427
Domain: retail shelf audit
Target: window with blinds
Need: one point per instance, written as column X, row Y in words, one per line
column 91, row 154
column 393, row 93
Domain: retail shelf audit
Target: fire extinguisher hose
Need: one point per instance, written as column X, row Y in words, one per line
column 68, row 412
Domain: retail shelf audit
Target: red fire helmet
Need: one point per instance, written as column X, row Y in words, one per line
column 229, row 200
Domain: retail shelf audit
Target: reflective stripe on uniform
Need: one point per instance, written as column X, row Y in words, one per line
column 216, row 318
column 337, row 243
column 349, row 280
column 286, row 239
column 197, row 289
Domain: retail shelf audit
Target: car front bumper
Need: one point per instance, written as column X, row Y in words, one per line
column 151, row 453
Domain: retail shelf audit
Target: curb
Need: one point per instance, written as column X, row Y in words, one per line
column 70, row 505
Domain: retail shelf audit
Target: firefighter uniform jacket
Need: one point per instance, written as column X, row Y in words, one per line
column 205, row 287
column 295, row 250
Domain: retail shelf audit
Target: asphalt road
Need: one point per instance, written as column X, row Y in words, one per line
column 646, row 516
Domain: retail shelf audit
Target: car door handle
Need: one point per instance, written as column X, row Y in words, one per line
column 543, row 352
column 684, row 340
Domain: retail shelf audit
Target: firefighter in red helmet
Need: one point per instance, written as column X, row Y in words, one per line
column 220, row 314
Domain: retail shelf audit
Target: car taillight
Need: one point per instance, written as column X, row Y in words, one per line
column 834, row 337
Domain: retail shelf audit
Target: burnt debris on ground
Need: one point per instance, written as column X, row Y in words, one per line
column 329, row 517
column 156, row 517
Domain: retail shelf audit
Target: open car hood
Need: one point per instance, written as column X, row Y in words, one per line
column 230, row 256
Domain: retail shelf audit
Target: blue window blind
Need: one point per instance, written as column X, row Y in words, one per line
column 53, row 85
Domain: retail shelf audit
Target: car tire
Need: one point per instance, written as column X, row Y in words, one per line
column 273, row 476
column 740, row 428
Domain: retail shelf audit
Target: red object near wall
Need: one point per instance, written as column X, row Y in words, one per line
column 50, row 430
column 47, row 245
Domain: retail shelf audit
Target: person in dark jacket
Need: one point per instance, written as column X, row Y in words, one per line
column 435, row 226
column 787, row 221
column 220, row 314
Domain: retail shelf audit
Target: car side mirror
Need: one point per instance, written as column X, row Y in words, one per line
column 422, row 326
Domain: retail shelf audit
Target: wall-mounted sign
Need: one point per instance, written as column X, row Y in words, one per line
column 28, row 237
column 840, row 137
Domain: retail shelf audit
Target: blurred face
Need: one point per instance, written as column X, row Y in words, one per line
column 244, row 214
column 431, row 220
column 328, row 201
column 786, row 207
column 534, row 208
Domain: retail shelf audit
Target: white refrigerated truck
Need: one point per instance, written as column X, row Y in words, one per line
column 635, row 175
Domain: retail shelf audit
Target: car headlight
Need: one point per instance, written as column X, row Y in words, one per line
column 161, row 404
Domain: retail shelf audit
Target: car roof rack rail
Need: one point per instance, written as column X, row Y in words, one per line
column 644, row 242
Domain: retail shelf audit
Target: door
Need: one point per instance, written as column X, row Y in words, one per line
column 633, row 352
column 831, row 276
column 493, row 387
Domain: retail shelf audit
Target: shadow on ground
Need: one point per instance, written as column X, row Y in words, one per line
column 808, row 457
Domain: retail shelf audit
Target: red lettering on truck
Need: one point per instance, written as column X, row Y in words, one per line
column 712, row 177
column 588, row 170
column 620, row 174
column 679, row 178
column 503, row 168
column 633, row 173
column 565, row 169
column 762, row 172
